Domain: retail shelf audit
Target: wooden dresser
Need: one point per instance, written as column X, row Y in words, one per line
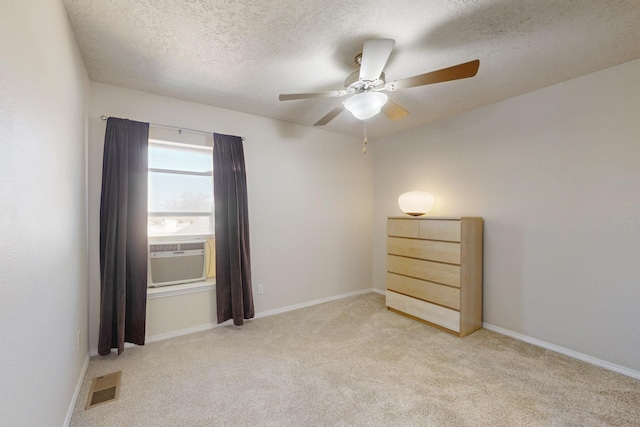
column 434, row 271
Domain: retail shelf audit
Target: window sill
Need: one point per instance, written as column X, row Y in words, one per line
column 182, row 289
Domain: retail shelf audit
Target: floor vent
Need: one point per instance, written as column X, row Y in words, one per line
column 104, row 389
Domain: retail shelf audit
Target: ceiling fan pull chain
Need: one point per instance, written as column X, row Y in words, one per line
column 364, row 129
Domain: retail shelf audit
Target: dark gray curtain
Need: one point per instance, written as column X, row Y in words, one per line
column 233, row 262
column 123, row 235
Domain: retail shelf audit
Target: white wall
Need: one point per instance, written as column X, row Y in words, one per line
column 556, row 176
column 43, row 298
column 309, row 198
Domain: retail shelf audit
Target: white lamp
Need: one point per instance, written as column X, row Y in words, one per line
column 415, row 203
column 366, row 104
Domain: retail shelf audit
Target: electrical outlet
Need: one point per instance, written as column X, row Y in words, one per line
column 260, row 289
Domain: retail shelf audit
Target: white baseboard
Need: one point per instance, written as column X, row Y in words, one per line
column 173, row 334
column 380, row 291
column 161, row 337
column 310, row 303
column 76, row 393
column 567, row 352
column 206, row 327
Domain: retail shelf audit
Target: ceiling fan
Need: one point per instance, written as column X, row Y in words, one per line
column 366, row 86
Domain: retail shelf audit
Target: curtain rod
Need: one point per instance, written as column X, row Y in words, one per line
column 179, row 129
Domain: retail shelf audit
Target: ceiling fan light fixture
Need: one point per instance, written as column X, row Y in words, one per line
column 365, row 105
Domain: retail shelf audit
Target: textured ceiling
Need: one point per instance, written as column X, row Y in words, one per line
column 241, row 54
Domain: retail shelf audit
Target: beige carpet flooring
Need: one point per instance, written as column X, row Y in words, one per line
column 353, row 363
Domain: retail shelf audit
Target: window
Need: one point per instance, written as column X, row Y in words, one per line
column 180, row 190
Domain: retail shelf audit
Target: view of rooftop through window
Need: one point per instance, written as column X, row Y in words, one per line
column 180, row 190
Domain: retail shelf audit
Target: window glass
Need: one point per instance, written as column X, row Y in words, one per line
column 180, row 225
column 180, row 198
column 172, row 157
column 171, row 192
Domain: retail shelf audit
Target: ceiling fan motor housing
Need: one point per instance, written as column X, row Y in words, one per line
column 353, row 84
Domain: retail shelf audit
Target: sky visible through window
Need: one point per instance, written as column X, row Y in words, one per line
column 170, row 157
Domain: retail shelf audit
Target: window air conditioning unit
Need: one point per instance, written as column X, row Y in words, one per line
column 171, row 263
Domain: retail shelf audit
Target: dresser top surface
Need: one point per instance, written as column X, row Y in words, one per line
column 441, row 218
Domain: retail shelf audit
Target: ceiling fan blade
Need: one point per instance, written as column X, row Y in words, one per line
column 375, row 54
column 330, row 116
column 293, row 96
column 460, row 71
column 394, row 111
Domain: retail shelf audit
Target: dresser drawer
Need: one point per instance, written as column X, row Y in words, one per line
column 425, row 249
column 439, row 229
column 427, row 270
column 427, row 291
column 403, row 228
column 447, row 318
